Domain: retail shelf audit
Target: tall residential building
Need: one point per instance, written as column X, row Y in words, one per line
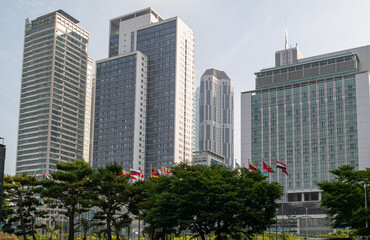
column 313, row 115
column 165, row 71
column 216, row 114
column 120, row 111
column 56, row 94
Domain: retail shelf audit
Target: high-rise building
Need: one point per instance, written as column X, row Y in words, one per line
column 56, row 94
column 311, row 114
column 2, row 166
column 167, row 131
column 120, row 111
column 216, row 114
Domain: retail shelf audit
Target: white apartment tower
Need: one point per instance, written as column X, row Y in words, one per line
column 168, row 47
column 216, row 114
column 56, row 94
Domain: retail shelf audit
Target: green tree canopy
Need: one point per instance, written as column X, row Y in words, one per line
column 114, row 195
column 211, row 199
column 21, row 192
column 344, row 199
column 70, row 191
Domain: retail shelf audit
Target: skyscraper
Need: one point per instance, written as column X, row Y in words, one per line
column 167, row 131
column 56, row 94
column 120, row 111
column 311, row 114
column 216, row 111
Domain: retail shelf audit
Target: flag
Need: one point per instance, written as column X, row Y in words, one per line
column 134, row 172
column 135, row 177
column 141, row 174
column 237, row 164
column 228, row 166
column 124, row 173
column 269, row 169
column 252, row 167
column 35, row 177
column 282, row 166
column 167, row 171
column 154, row 173
column 45, row 177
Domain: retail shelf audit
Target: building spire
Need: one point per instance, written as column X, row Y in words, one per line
column 286, row 36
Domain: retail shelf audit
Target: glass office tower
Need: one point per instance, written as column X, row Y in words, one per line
column 56, row 91
column 169, row 47
column 311, row 114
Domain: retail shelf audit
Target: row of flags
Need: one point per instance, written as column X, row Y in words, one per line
column 45, row 177
column 157, row 172
column 134, row 174
column 280, row 165
column 139, row 175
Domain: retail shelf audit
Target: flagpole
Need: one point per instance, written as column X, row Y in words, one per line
column 269, row 172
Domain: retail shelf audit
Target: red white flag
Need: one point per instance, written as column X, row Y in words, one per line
column 282, row 166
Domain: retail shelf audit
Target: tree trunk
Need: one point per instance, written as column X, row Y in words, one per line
column 71, row 227
column 109, row 228
column 33, row 229
column 128, row 232
column 202, row 236
column 23, row 227
column 85, row 235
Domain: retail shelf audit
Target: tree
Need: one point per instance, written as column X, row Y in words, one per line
column 120, row 223
column 6, row 210
column 86, row 225
column 70, row 191
column 344, row 199
column 257, row 199
column 162, row 216
column 210, row 199
column 114, row 194
column 21, row 192
column 138, row 202
column 52, row 229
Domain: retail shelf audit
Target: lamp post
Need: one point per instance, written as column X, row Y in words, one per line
column 306, row 224
column 366, row 225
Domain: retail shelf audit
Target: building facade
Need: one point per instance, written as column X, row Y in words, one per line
column 168, row 45
column 207, row 158
column 120, row 111
column 313, row 115
column 56, row 94
column 216, row 114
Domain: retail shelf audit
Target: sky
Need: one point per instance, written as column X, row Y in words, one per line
column 239, row 37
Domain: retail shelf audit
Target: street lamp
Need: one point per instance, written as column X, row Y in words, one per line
column 306, row 224
column 366, row 225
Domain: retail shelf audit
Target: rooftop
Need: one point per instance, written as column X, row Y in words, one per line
column 216, row 73
column 137, row 14
column 61, row 12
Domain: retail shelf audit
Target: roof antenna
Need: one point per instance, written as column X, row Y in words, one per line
column 286, row 36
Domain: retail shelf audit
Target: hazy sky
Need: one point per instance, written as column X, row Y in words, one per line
column 239, row 37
